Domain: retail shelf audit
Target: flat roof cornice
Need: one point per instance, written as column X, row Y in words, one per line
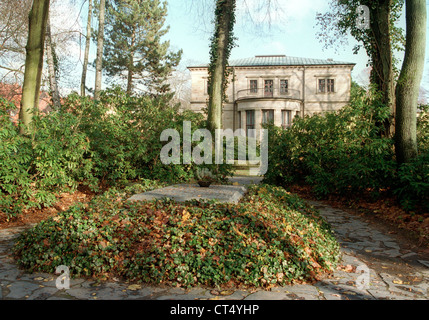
column 280, row 61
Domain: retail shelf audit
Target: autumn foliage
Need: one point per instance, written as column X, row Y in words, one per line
column 271, row 237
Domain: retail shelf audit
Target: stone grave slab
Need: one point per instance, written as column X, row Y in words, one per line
column 186, row 192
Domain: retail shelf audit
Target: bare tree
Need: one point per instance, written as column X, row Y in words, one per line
column 100, row 42
column 66, row 34
column 52, row 70
column 13, row 37
column 180, row 84
column 60, row 51
column 87, row 46
column 261, row 16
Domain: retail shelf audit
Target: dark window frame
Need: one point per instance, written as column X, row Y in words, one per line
column 268, row 88
column 330, row 85
column 322, row 85
column 206, row 87
column 286, row 119
column 284, row 86
column 250, row 125
column 253, row 86
column 326, row 85
column 270, row 118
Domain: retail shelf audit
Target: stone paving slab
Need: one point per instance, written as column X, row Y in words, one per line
column 387, row 276
column 187, row 192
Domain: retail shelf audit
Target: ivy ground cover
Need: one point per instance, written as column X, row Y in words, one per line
column 270, row 238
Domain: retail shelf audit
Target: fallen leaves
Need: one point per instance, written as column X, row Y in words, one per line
column 385, row 208
column 103, row 244
column 224, row 293
column 198, row 243
column 185, row 215
column 238, row 232
column 347, row 268
column 134, row 287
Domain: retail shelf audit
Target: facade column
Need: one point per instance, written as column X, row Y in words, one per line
column 278, row 117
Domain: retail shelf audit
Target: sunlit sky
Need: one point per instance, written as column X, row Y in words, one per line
column 292, row 32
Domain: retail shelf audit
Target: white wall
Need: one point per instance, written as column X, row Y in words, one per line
column 303, row 87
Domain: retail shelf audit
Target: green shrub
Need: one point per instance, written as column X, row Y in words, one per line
column 339, row 152
column 412, row 188
column 344, row 153
column 124, row 133
column 15, row 158
column 271, row 237
column 61, row 156
column 34, row 169
column 115, row 140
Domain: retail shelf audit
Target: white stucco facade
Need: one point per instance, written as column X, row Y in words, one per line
column 276, row 88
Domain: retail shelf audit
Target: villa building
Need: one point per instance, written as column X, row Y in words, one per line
column 276, row 88
column 13, row 94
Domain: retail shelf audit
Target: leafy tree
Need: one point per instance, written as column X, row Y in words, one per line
column 378, row 37
column 134, row 50
column 407, row 90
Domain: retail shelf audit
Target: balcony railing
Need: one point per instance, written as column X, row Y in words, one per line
column 267, row 93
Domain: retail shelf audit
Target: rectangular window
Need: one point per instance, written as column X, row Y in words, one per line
column 322, row 85
column 269, row 88
column 284, row 86
column 253, row 86
column 267, row 116
column 331, row 85
column 286, row 119
column 206, row 87
column 250, row 122
column 326, row 85
column 239, row 120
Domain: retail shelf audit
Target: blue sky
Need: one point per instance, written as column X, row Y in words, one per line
column 293, row 32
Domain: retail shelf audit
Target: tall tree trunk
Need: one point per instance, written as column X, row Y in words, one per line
column 382, row 72
column 131, row 65
column 130, row 80
column 407, row 90
column 100, row 42
column 219, row 59
column 34, row 61
column 51, row 68
column 86, row 54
